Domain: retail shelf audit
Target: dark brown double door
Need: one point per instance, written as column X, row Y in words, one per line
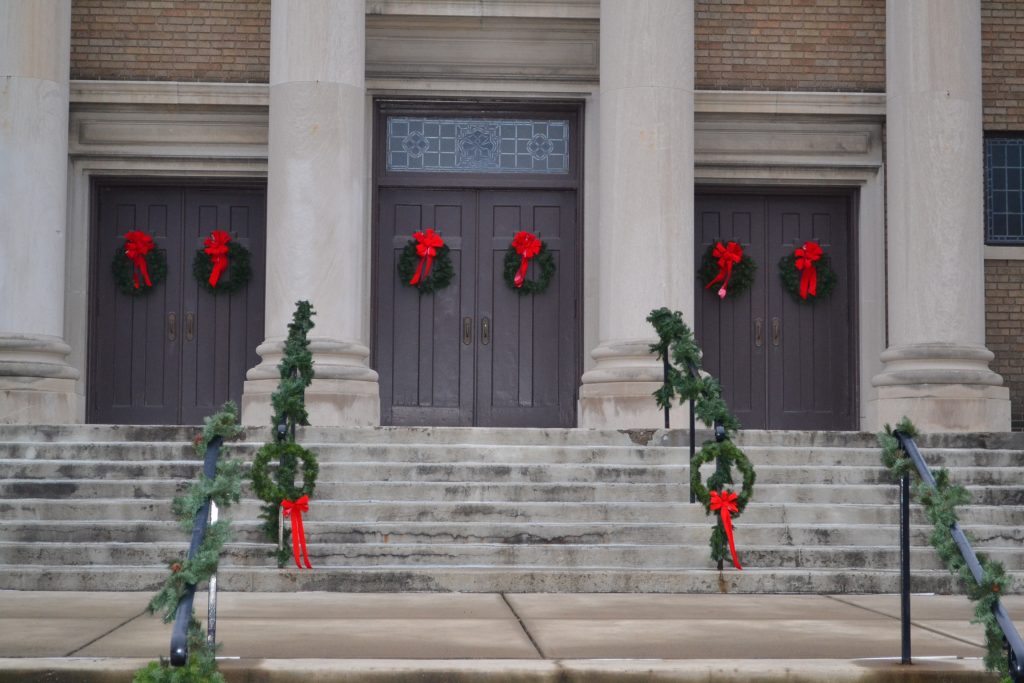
column 176, row 354
column 782, row 364
column 476, row 353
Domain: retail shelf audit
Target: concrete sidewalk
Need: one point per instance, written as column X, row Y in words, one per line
column 76, row 636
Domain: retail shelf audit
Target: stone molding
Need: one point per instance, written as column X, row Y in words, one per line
column 546, row 9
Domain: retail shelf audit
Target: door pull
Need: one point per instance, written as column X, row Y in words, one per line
column 190, row 326
column 485, row 331
column 467, row 330
column 172, row 326
column 758, row 332
column 776, row 331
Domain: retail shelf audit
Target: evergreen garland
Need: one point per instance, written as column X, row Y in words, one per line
column 123, row 269
column 741, row 279
column 940, row 505
column 441, row 269
column 224, row 489
column 790, row 277
column 545, row 261
column 276, row 464
column 676, row 343
column 237, row 275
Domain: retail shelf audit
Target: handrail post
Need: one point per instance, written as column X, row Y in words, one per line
column 905, row 567
column 211, row 602
column 693, row 444
column 664, row 374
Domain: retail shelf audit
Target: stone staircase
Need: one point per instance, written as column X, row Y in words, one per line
column 458, row 509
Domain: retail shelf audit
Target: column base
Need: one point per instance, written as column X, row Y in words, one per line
column 330, row 402
column 943, row 407
column 623, row 405
column 37, row 386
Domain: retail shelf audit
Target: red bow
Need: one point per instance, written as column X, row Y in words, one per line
column 526, row 245
column 725, row 503
column 805, row 258
column 295, row 509
column 136, row 245
column 217, row 249
column 428, row 242
column 727, row 256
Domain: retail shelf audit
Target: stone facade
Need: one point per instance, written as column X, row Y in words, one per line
column 1004, row 318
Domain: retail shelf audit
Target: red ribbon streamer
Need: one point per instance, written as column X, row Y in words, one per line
column 725, row 503
column 217, row 249
column 427, row 244
column 728, row 256
column 805, row 258
column 136, row 245
column 526, row 245
column 295, row 510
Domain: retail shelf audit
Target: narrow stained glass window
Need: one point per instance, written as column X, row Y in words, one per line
column 1004, row 190
column 477, row 145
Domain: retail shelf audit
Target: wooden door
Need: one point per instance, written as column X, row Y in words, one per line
column 782, row 364
column 174, row 355
column 476, row 353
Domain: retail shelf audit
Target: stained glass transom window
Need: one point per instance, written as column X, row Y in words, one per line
column 477, row 145
column 1004, row 190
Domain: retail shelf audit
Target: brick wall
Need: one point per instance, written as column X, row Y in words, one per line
column 829, row 45
column 1004, row 323
column 179, row 40
column 1002, row 57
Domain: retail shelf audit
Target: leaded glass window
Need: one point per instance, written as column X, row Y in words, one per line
column 453, row 145
column 1004, row 190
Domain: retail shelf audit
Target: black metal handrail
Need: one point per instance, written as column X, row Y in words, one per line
column 720, row 434
column 1014, row 644
column 179, row 633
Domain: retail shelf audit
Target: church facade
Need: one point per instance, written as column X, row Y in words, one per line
column 631, row 137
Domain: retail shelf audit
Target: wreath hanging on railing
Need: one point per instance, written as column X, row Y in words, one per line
column 527, row 247
column 425, row 262
column 288, row 455
column 138, row 266
column 716, row 498
column 221, row 255
column 728, row 267
column 807, row 273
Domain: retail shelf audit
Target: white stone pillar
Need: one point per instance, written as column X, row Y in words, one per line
column 317, row 245
column 36, row 383
column 936, row 367
column 646, row 202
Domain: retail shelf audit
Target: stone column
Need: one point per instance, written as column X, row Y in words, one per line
column 36, row 383
column 936, row 367
column 317, row 245
column 646, row 202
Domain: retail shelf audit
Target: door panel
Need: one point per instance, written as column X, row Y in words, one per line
column 144, row 368
column 782, row 364
column 526, row 374
column 426, row 371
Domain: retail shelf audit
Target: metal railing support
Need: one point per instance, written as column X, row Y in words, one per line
column 905, row 568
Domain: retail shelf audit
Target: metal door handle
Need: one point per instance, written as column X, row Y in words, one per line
column 190, row 326
column 467, row 330
column 485, row 331
column 776, row 331
column 172, row 326
column 758, row 332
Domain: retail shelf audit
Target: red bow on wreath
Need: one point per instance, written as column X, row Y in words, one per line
column 805, row 258
column 728, row 256
column 136, row 245
column 217, row 250
column 427, row 244
column 295, row 510
column 725, row 503
column 526, row 245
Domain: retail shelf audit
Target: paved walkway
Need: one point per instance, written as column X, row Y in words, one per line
column 510, row 637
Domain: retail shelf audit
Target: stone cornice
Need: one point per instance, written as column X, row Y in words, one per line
column 543, row 9
column 789, row 103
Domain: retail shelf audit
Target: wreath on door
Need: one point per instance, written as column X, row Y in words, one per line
column 425, row 262
column 727, row 266
column 807, row 273
column 138, row 266
column 221, row 255
column 527, row 247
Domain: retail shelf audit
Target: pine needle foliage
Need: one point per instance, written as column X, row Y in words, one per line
column 224, row 489
column 940, row 507
column 289, row 401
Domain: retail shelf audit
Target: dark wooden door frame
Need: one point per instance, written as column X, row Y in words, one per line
column 573, row 180
column 99, row 264
column 852, row 197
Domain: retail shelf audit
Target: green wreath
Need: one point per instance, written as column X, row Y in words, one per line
column 123, row 270
column 741, row 279
column 790, row 276
column 546, row 263
column 288, row 455
column 441, row 270
column 237, row 275
column 725, row 454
